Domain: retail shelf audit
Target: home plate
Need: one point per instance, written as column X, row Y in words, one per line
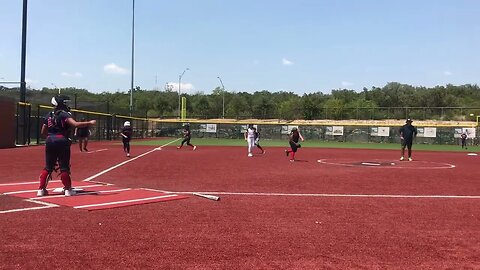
column 60, row 190
column 471, row 154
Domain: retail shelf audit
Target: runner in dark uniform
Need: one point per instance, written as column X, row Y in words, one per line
column 293, row 139
column 407, row 133
column 82, row 134
column 187, row 135
column 126, row 137
column 56, row 129
column 257, row 140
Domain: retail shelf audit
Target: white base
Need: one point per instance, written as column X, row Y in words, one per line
column 60, row 190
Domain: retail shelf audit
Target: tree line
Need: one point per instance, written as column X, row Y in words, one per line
column 392, row 101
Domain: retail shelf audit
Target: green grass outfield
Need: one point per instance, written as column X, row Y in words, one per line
column 283, row 143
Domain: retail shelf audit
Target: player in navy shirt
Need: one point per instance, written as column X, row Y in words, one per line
column 56, row 129
column 293, row 140
column 257, row 140
column 407, row 133
column 126, row 137
column 187, row 135
column 82, row 134
column 464, row 137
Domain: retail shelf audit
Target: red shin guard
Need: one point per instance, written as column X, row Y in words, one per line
column 293, row 156
column 66, row 181
column 43, row 179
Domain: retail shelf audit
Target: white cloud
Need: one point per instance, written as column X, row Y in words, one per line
column 185, row 87
column 286, row 62
column 447, row 73
column 345, row 84
column 114, row 69
column 72, row 75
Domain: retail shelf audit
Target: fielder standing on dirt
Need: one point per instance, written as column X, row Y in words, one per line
column 407, row 133
column 250, row 138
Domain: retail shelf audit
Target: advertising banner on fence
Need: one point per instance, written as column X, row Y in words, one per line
column 469, row 131
column 335, row 131
column 427, row 132
column 210, row 128
column 380, row 131
column 288, row 129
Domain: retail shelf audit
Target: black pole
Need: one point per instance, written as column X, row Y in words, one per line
column 23, row 88
column 38, row 124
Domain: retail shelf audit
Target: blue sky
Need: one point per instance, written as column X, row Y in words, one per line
column 302, row 46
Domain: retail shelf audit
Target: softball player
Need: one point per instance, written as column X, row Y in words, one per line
column 187, row 135
column 126, row 137
column 257, row 140
column 293, row 141
column 56, row 128
column 407, row 133
column 250, row 138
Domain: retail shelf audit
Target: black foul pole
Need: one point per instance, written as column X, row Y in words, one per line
column 23, row 130
column 23, row 85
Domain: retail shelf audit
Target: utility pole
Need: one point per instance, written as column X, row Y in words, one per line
column 223, row 97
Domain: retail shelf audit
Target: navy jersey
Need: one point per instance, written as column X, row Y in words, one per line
column 294, row 136
column 83, row 132
column 187, row 133
column 127, row 131
column 408, row 132
column 56, row 123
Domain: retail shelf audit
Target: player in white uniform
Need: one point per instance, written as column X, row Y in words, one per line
column 250, row 138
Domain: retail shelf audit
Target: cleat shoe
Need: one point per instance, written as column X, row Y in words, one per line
column 179, row 147
column 85, row 149
column 401, row 159
column 42, row 192
column 128, row 154
column 194, row 147
column 410, row 159
column 292, row 160
column 286, row 152
column 263, row 152
column 70, row 192
column 250, row 155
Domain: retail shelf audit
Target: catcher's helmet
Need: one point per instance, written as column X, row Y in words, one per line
column 61, row 102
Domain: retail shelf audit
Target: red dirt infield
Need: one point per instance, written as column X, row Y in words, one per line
column 274, row 214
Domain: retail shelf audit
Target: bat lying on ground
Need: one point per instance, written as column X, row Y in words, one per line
column 210, row 197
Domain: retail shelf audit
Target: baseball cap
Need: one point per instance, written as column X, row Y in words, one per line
column 409, row 120
column 127, row 123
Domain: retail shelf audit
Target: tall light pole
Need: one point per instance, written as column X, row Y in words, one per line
column 223, row 97
column 133, row 57
column 179, row 88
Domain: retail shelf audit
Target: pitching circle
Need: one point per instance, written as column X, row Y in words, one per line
column 389, row 164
